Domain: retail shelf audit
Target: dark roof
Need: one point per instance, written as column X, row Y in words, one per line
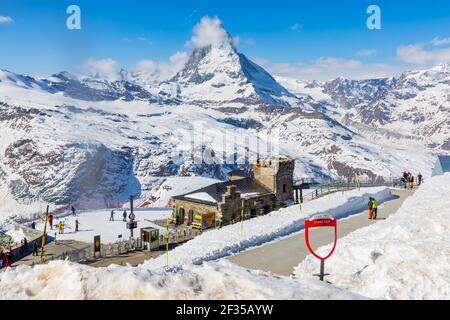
column 216, row 190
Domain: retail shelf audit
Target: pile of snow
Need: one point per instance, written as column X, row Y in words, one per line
column 407, row 256
column 96, row 222
column 218, row 243
column 223, row 280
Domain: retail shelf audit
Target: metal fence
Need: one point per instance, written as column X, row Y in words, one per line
column 176, row 236
column 324, row 189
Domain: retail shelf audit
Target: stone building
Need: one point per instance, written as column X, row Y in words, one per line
column 268, row 187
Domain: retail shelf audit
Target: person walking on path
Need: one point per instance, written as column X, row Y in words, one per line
column 50, row 221
column 8, row 257
column 35, row 248
column 124, row 215
column 419, row 179
column 60, row 227
column 2, row 258
column 411, row 182
column 77, row 223
column 111, row 217
column 369, row 206
column 374, row 209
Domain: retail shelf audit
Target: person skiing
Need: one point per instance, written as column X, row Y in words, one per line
column 369, row 205
column 419, row 178
column 76, row 225
column 33, row 225
column 73, row 211
column 125, row 215
column 50, row 221
column 411, row 182
column 374, row 209
column 111, row 218
column 35, row 248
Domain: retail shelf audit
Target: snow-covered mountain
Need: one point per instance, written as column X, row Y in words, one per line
column 414, row 106
column 93, row 142
column 219, row 74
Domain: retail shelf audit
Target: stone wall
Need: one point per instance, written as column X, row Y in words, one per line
column 231, row 205
column 276, row 174
column 184, row 207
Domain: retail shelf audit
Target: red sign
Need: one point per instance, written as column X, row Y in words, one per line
column 317, row 222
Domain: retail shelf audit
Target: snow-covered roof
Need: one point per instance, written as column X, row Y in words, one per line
column 212, row 194
column 201, row 196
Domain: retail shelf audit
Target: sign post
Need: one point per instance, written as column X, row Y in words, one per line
column 41, row 257
column 319, row 221
column 132, row 224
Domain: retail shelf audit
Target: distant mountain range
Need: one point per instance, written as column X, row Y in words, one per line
column 93, row 142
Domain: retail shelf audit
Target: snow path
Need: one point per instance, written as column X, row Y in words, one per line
column 281, row 257
column 406, row 256
column 228, row 240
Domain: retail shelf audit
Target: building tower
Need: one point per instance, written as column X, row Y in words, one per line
column 276, row 174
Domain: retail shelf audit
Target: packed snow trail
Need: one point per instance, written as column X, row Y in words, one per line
column 219, row 243
column 406, row 256
column 282, row 256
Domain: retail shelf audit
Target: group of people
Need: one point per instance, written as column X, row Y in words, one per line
column 373, row 208
column 408, row 180
column 6, row 256
column 124, row 216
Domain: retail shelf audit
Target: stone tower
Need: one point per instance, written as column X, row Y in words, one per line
column 276, row 174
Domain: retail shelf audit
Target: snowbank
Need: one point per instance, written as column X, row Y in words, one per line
column 223, row 280
column 407, row 256
column 218, row 243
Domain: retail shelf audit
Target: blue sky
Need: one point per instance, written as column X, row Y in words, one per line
column 309, row 39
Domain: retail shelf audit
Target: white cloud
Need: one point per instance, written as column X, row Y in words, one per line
column 440, row 42
column 157, row 71
column 296, row 27
column 366, row 53
column 6, row 20
column 103, row 69
column 208, row 31
column 326, row 68
column 417, row 54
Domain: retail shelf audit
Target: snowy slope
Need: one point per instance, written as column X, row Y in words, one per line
column 413, row 108
column 407, row 256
